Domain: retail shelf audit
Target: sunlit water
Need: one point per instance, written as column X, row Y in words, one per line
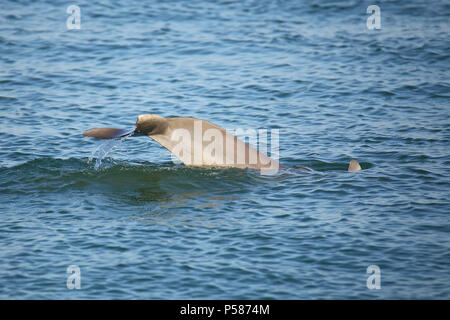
column 140, row 226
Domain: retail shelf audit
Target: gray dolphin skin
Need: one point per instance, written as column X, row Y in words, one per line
column 107, row 133
column 354, row 166
column 197, row 142
column 186, row 139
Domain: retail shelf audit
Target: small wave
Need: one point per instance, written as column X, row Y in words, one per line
column 119, row 177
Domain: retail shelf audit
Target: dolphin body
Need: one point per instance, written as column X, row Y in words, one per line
column 198, row 142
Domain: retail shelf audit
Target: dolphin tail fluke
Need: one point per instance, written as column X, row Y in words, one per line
column 354, row 166
column 107, row 133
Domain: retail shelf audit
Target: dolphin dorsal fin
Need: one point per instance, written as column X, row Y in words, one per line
column 354, row 166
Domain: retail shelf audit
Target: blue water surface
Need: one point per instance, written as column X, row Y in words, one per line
column 142, row 227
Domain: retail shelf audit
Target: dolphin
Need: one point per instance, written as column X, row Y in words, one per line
column 197, row 142
column 354, row 165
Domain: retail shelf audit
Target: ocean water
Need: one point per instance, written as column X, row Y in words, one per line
column 139, row 226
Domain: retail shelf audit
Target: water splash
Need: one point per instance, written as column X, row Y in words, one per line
column 104, row 149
